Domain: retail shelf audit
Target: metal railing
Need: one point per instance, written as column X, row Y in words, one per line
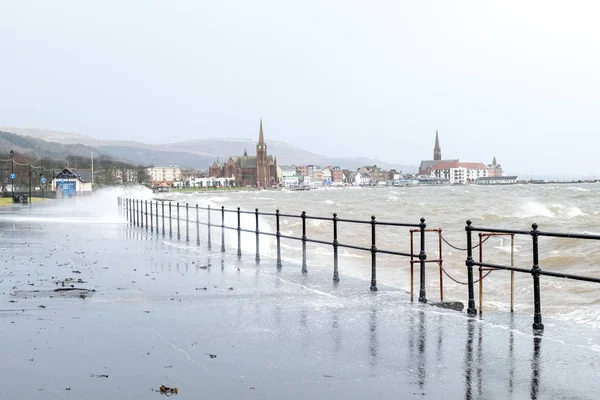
column 535, row 270
column 140, row 213
column 136, row 213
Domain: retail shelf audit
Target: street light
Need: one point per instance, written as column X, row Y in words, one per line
column 42, row 182
column 12, row 173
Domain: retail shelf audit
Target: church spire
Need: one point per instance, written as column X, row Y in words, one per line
column 245, row 153
column 261, row 138
column 437, row 151
column 494, row 161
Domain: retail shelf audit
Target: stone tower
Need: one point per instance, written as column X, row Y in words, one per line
column 437, row 151
column 261, row 159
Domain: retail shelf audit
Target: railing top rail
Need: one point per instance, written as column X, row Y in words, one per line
column 569, row 235
column 497, row 230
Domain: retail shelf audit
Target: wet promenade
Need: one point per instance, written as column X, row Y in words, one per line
column 149, row 311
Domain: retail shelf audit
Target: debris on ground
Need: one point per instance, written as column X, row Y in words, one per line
column 98, row 376
column 211, row 355
column 167, row 390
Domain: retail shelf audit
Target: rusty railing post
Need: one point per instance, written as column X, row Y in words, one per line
column 374, row 256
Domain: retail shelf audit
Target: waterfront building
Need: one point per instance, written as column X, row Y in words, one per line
column 362, row 178
column 259, row 171
column 497, row 180
column 317, row 176
column 495, row 169
column 168, row 174
column 290, row 176
column 459, row 172
column 72, row 182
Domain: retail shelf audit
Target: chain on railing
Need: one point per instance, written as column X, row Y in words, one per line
column 460, row 248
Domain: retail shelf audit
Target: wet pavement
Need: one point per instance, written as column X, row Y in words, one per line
column 134, row 311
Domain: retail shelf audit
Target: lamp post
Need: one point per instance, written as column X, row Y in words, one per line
column 12, row 173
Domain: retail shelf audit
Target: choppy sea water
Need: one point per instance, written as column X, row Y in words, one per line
column 559, row 208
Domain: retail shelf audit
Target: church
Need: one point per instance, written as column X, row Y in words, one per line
column 259, row 171
column 426, row 165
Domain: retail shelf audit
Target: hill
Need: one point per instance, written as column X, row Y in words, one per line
column 194, row 153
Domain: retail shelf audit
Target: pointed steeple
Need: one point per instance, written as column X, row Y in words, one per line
column 494, row 161
column 437, row 151
column 261, row 137
column 245, row 153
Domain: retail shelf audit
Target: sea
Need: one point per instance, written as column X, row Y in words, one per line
column 554, row 207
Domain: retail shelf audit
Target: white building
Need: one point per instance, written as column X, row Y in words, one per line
column 289, row 176
column 207, row 182
column 458, row 172
column 72, row 182
column 326, row 176
column 362, row 178
column 169, row 174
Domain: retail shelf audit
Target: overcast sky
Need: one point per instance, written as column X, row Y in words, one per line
column 518, row 80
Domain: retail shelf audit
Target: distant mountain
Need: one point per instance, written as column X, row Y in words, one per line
column 199, row 153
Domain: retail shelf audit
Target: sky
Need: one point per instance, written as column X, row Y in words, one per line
column 519, row 80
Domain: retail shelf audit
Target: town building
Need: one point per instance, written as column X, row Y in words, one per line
column 259, row 171
column 374, row 172
column 290, row 176
column 362, row 178
column 497, row 180
column 337, row 176
column 72, row 182
column 167, row 173
column 437, row 157
column 495, row 169
column 459, row 172
column 206, row 182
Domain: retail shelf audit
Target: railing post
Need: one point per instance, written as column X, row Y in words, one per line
column 187, row 222
column 156, row 203
column 239, row 234
column 471, row 310
column 336, row 275
column 178, row 229
column 222, row 229
column 197, row 225
column 374, row 256
column 129, row 212
column 170, row 222
column 163, row 217
column 257, row 257
column 278, row 236
column 209, row 241
column 422, row 258
column 146, row 212
column 136, row 217
column 151, row 220
column 304, row 268
column 535, row 272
